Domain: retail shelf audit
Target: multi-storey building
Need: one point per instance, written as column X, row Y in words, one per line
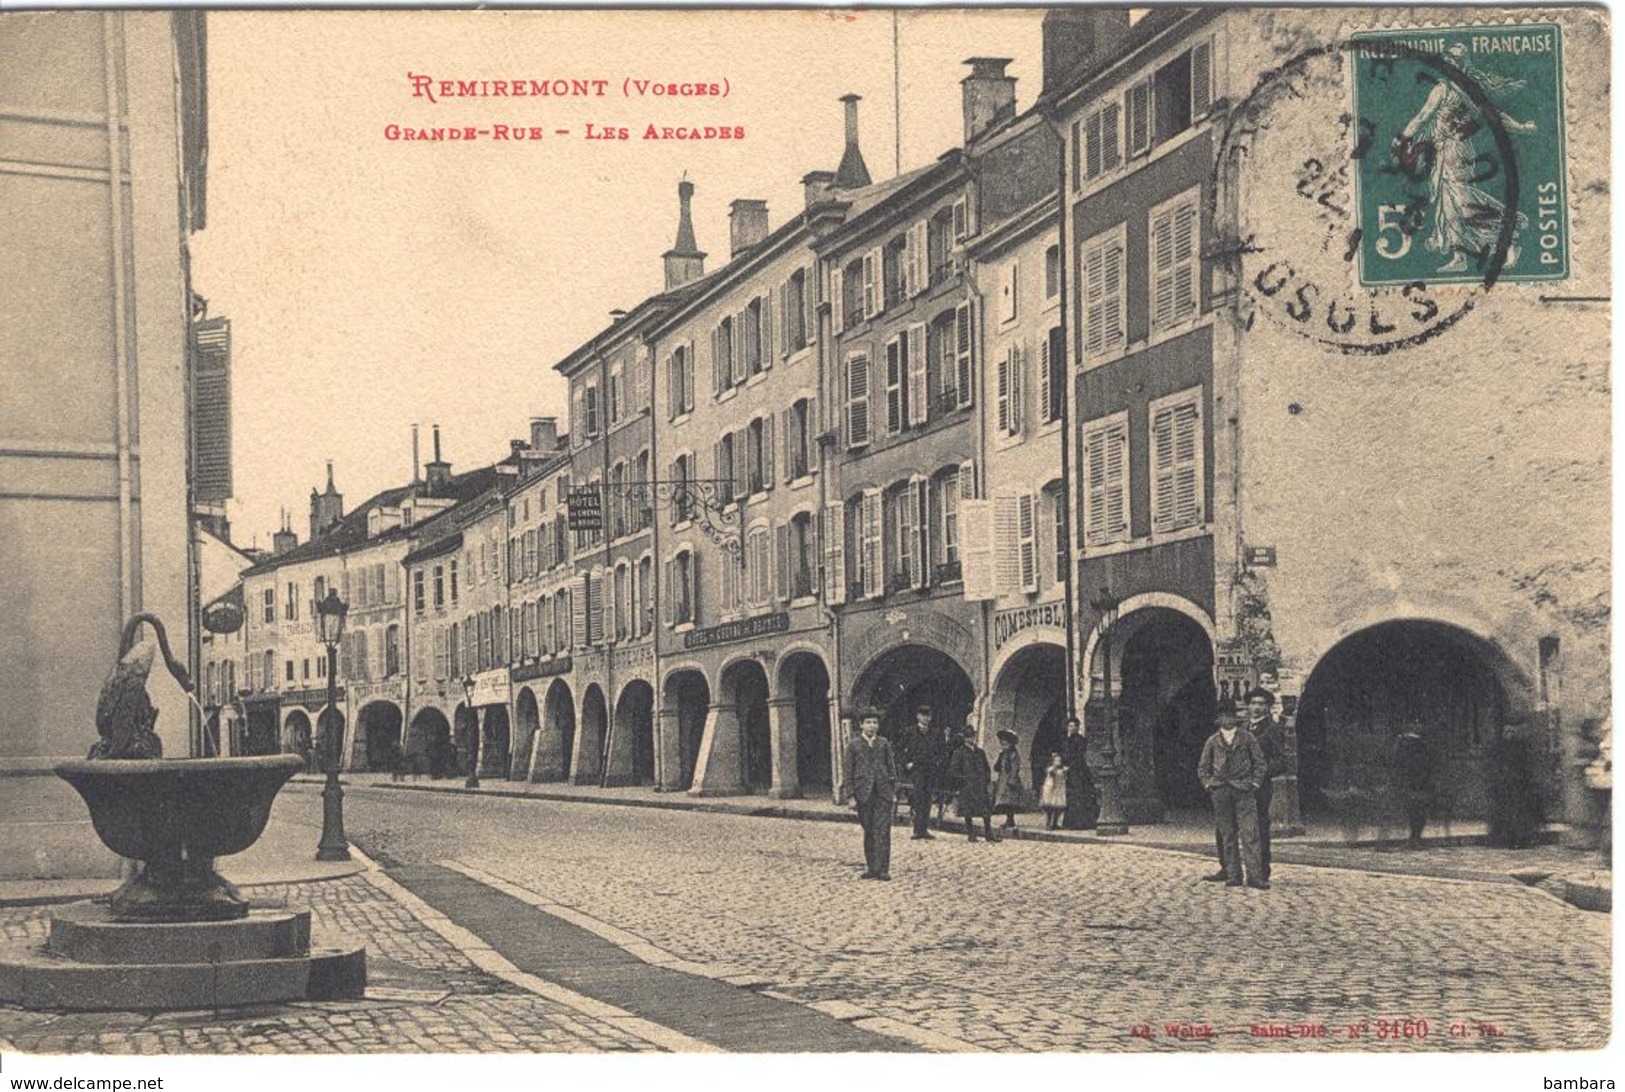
column 359, row 555
column 1023, row 580
column 541, row 577
column 1313, row 481
column 744, row 647
column 612, row 455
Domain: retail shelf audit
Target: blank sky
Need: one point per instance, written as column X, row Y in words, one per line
column 372, row 284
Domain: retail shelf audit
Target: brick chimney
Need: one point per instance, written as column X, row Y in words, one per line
column 853, row 173
column 544, row 435
column 437, row 472
column 285, row 538
column 815, row 186
column 747, row 224
column 989, row 95
column 1080, row 38
column 685, row 261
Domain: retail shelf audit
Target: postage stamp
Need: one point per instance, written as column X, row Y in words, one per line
column 1462, row 176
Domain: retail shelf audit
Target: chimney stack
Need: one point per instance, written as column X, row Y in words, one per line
column 284, row 539
column 1077, row 39
column 416, row 457
column 747, row 224
column 544, row 435
column 989, row 95
column 437, row 473
column 853, row 173
column 685, row 262
column 815, row 186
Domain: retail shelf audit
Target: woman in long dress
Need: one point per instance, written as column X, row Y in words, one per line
column 1467, row 219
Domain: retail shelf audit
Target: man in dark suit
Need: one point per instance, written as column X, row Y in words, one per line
column 871, row 779
column 1271, row 741
column 919, row 751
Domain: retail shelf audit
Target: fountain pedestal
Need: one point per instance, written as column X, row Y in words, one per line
column 178, row 935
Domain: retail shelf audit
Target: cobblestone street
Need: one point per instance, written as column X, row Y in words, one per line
column 1028, row 946
column 423, row 996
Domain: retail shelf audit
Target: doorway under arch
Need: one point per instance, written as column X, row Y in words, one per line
column 899, row 680
column 465, row 738
column 494, row 742
column 298, row 738
column 1029, row 699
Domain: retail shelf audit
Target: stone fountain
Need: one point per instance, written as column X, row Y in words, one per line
column 177, row 934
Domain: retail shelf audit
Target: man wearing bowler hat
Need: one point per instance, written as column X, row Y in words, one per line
column 919, row 752
column 1231, row 769
column 1267, row 730
column 871, row 779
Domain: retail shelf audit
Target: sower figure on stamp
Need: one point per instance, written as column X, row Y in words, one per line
column 871, row 779
column 919, row 752
column 1231, row 769
column 1266, row 729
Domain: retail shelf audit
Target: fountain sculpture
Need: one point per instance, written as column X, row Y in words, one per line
column 176, row 934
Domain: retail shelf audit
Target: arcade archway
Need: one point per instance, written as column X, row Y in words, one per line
column 495, row 733
column 428, row 744
column 1029, row 699
column 530, row 722
column 594, row 724
column 743, row 687
column 688, row 698
column 299, row 739
column 632, row 757
column 465, row 738
column 1460, row 689
column 802, row 698
column 378, row 737
column 558, row 742
column 899, row 680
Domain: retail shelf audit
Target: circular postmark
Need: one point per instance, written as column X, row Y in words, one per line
column 1368, row 222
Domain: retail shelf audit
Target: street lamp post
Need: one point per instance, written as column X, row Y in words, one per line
column 1109, row 774
column 473, row 781
column 334, row 846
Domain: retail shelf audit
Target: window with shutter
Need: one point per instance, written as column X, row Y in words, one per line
column 919, row 498
column 1092, row 145
column 1139, row 117
column 1176, row 462
column 1174, row 261
column 1046, row 408
column 905, row 540
column 1105, row 458
column 837, row 292
column 767, row 342
column 948, row 519
column 964, row 355
column 857, row 399
column 578, row 613
column 920, row 253
column 961, row 219
column 834, row 553
column 1002, row 391
column 767, row 451
column 1103, row 319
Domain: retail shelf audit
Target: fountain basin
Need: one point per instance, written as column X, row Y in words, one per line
column 176, row 816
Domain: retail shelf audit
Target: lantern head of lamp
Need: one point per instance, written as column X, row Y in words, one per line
column 330, row 612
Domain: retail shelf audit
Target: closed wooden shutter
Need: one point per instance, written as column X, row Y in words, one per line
column 1111, row 150
column 1007, row 539
column 833, row 534
column 837, row 290
column 977, row 548
column 1201, row 78
column 919, row 497
column 1046, row 390
column 1106, row 493
column 781, row 553
column 1176, row 438
column 917, row 399
column 1139, row 118
column 767, row 451
column 766, row 343
column 895, row 348
column 1002, row 387
column 964, row 355
column 874, row 299
column 920, row 252
column 1027, row 540
column 873, row 545
column 857, row 399
column 1173, row 265
column 1092, row 145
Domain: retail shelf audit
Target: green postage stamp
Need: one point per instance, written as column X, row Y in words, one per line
column 1461, row 173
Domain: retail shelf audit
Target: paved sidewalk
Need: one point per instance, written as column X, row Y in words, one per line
column 1453, row 851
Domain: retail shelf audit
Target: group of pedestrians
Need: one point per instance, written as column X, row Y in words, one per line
column 928, row 770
